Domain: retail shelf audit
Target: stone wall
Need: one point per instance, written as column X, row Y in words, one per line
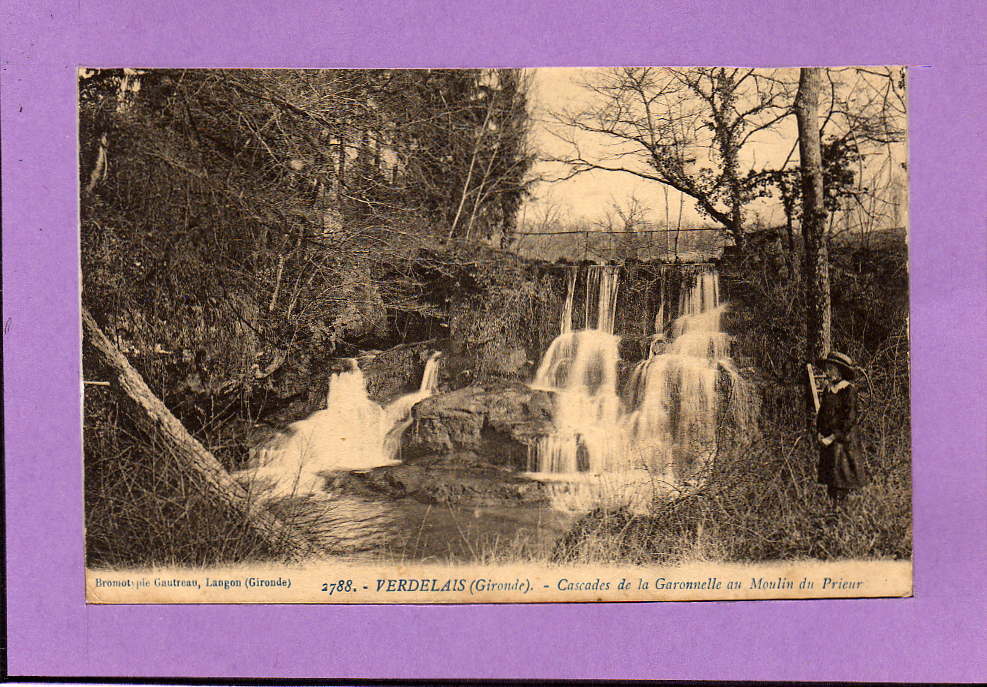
column 501, row 326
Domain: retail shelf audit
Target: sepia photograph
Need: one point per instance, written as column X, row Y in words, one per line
column 495, row 335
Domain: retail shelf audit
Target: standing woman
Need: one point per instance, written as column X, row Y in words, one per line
column 841, row 466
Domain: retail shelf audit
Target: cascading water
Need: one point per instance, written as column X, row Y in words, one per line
column 570, row 291
column 675, row 395
column 351, row 433
column 667, row 421
column 397, row 414
column 581, row 367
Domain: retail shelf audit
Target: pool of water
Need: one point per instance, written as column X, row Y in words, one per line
column 448, row 534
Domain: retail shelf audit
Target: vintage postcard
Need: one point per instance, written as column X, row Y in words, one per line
column 485, row 336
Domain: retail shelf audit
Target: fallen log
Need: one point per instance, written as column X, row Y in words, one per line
column 154, row 419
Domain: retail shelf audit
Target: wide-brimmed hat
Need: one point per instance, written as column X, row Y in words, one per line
column 842, row 360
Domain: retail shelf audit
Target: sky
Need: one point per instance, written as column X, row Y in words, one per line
column 589, row 196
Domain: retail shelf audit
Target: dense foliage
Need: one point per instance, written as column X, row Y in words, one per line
column 241, row 218
column 239, row 229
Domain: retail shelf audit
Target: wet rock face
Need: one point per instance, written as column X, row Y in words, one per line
column 492, row 424
column 395, row 371
column 435, row 481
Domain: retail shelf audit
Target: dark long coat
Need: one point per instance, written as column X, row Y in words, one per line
column 841, row 463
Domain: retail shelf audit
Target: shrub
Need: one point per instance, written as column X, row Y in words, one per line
column 142, row 510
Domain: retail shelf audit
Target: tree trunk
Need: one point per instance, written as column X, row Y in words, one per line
column 153, row 418
column 469, row 171
column 816, row 264
column 739, row 238
column 341, row 167
column 736, row 205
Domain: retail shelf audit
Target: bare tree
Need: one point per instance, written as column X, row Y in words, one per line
column 683, row 128
column 862, row 125
column 622, row 222
column 868, row 111
column 505, row 178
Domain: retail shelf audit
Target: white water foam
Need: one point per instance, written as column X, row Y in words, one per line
column 664, row 429
column 351, row 433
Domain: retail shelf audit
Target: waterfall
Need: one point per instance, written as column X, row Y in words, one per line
column 601, row 282
column 676, row 393
column 398, row 412
column 570, row 292
column 666, row 422
column 581, row 368
column 351, row 433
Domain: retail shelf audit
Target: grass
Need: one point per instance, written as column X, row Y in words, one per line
column 141, row 509
column 758, row 504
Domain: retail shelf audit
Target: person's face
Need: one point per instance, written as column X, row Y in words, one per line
column 833, row 373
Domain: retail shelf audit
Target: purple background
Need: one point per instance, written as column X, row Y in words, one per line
column 937, row 635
